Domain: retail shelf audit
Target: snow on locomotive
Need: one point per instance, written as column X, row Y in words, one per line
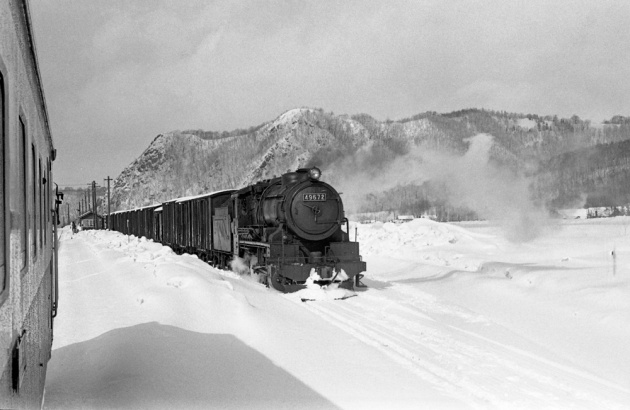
column 287, row 230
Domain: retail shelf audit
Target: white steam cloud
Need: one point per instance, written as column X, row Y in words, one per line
column 472, row 181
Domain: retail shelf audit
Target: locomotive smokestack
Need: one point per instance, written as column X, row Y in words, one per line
column 290, row 178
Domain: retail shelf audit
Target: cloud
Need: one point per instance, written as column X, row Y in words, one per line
column 126, row 70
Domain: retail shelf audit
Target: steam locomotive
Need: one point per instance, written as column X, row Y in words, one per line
column 289, row 231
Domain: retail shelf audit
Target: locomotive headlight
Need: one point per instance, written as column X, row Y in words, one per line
column 314, row 173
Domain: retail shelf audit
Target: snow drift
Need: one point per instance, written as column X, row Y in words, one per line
column 455, row 316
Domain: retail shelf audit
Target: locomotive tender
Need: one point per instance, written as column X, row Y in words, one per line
column 28, row 239
column 287, row 230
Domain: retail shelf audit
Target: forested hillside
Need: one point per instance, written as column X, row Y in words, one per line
column 595, row 176
column 460, row 165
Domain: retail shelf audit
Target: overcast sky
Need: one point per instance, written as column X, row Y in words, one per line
column 118, row 72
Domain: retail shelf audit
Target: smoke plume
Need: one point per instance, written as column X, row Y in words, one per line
column 471, row 180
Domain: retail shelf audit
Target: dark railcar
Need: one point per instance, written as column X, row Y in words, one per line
column 139, row 222
column 187, row 226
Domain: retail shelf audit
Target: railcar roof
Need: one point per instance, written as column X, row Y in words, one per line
column 38, row 76
column 88, row 213
column 188, row 198
column 137, row 209
column 158, row 207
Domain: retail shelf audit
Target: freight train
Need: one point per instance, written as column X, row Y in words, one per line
column 28, row 216
column 286, row 230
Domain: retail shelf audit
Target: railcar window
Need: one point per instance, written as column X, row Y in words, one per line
column 3, row 271
column 47, row 211
column 23, row 172
column 41, row 206
column 34, row 202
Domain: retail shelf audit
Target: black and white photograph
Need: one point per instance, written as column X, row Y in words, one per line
column 315, row 204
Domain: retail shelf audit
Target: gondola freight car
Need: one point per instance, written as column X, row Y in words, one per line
column 192, row 225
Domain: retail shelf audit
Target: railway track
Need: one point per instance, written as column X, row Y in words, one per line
column 462, row 353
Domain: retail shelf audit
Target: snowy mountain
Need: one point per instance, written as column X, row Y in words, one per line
column 183, row 163
column 383, row 155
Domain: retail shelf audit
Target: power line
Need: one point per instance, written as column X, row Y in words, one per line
column 67, row 185
column 62, row 185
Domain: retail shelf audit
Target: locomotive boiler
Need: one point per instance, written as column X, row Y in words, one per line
column 291, row 229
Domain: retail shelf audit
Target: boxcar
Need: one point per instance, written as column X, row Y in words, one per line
column 187, row 225
column 139, row 222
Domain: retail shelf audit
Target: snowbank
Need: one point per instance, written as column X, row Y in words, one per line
column 568, row 290
column 423, row 240
column 141, row 327
column 454, row 316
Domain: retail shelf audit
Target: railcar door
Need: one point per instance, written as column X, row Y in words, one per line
column 221, row 232
column 157, row 225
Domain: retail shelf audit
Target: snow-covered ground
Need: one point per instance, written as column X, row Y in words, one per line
column 454, row 316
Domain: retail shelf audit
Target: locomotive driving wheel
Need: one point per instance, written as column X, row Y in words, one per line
column 275, row 280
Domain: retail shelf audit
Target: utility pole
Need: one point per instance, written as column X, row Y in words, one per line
column 108, row 207
column 94, row 203
column 68, row 212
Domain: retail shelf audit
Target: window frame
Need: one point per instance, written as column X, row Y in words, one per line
column 5, row 262
column 34, row 200
column 40, row 205
column 47, row 201
column 23, row 155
